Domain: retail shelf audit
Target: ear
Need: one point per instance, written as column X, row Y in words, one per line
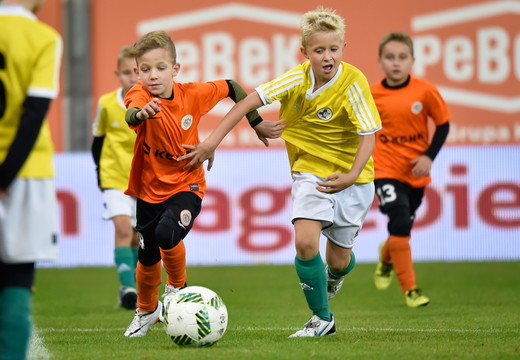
column 304, row 52
column 176, row 68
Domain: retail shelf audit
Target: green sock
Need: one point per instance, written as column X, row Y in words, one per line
column 15, row 322
column 124, row 259
column 313, row 281
column 345, row 271
column 135, row 251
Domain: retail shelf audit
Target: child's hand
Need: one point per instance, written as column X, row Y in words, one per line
column 335, row 183
column 421, row 166
column 198, row 154
column 269, row 130
column 149, row 110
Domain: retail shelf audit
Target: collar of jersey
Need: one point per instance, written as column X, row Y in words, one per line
column 16, row 10
column 310, row 94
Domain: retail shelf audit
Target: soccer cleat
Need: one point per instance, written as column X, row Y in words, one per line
column 384, row 272
column 128, row 297
column 316, row 327
column 169, row 292
column 143, row 321
column 333, row 284
column 414, row 298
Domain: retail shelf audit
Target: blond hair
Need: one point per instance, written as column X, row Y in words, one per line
column 126, row 52
column 155, row 40
column 396, row 36
column 321, row 19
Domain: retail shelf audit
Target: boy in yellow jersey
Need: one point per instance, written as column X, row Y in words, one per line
column 329, row 131
column 30, row 56
column 112, row 150
column 402, row 168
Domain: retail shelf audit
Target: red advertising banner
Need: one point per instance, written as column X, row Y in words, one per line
column 470, row 49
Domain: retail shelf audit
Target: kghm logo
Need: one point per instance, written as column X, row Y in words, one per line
column 399, row 140
column 324, row 114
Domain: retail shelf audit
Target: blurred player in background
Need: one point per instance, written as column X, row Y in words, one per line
column 403, row 157
column 30, row 56
column 112, row 150
column 166, row 115
column 329, row 131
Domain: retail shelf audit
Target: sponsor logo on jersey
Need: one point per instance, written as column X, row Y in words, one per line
column 163, row 154
column 399, row 140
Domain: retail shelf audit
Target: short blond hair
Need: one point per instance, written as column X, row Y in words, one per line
column 396, row 36
column 126, row 52
column 155, row 40
column 321, row 19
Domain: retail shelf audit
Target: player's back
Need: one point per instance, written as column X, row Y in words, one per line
column 30, row 53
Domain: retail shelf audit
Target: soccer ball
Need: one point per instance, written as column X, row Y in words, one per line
column 195, row 316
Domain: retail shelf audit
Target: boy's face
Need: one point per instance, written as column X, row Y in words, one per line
column 126, row 73
column 156, row 71
column 324, row 50
column 396, row 61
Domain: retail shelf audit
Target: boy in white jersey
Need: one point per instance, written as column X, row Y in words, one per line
column 330, row 121
column 30, row 56
column 113, row 150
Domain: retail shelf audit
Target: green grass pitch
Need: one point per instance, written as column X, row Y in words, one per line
column 474, row 314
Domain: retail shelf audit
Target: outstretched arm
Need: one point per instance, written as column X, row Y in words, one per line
column 264, row 129
column 199, row 153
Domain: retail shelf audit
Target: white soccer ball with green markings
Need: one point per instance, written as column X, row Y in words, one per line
column 195, row 316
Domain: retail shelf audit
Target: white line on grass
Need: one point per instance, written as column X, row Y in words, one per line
column 353, row 329
column 37, row 349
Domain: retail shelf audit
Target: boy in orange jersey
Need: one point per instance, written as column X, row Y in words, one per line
column 165, row 115
column 403, row 157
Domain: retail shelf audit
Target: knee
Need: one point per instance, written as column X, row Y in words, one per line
column 400, row 222
column 166, row 236
column 306, row 248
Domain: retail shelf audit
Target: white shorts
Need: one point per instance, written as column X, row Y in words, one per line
column 28, row 222
column 118, row 203
column 342, row 214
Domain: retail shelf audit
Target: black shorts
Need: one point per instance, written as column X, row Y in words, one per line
column 174, row 217
column 392, row 193
column 19, row 275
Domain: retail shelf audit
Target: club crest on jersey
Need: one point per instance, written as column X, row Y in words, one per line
column 186, row 122
column 324, row 114
column 417, row 107
column 185, row 217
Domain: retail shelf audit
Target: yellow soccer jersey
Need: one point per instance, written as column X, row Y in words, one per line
column 322, row 128
column 118, row 145
column 30, row 55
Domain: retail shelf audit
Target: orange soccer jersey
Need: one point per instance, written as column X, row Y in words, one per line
column 404, row 115
column 155, row 174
